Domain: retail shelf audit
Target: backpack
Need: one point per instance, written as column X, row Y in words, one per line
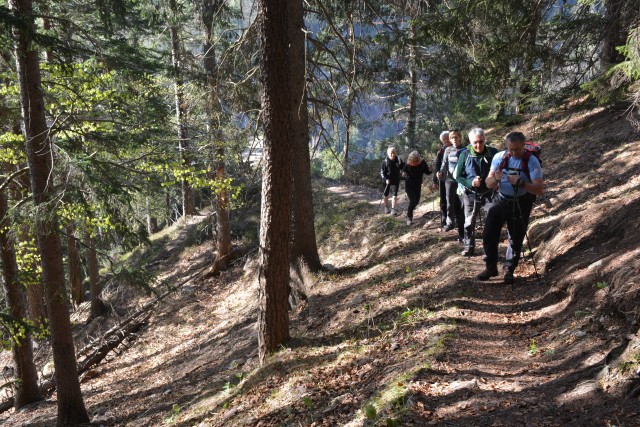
column 530, row 149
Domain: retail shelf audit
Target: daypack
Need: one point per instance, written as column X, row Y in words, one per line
column 530, row 149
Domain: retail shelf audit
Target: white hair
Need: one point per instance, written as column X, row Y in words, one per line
column 443, row 134
column 414, row 157
column 390, row 149
column 475, row 132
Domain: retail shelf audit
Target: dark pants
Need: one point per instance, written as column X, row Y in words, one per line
column 455, row 217
column 414, row 198
column 515, row 212
column 392, row 188
column 443, row 203
column 472, row 208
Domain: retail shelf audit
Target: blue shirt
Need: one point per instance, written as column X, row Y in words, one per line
column 514, row 166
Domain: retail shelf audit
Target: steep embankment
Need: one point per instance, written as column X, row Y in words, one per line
column 398, row 331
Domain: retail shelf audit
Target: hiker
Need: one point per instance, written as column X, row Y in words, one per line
column 455, row 219
column 412, row 173
column 518, row 175
column 438, row 179
column 390, row 173
column 471, row 173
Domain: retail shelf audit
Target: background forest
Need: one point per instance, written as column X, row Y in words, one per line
column 120, row 117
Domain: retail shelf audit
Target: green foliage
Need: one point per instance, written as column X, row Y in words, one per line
column 326, row 165
column 417, row 314
column 601, row 285
column 129, row 276
column 533, row 347
column 370, row 412
column 631, row 66
column 631, row 364
column 605, row 89
column 175, row 413
column 11, row 148
column 28, row 260
column 15, row 330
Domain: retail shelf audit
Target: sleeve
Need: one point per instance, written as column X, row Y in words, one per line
column 436, row 166
column 445, row 160
column 383, row 170
column 460, row 173
column 497, row 159
column 535, row 170
column 427, row 171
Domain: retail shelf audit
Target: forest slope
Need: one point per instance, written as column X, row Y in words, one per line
column 398, row 330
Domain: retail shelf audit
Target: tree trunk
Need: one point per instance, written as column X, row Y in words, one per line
column 303, row 239
column 529, row 55
column 351, row 94
column 75, row 268
column 27, row 390
column 97, row 306
column 224, row 248
column 36, row 303
column 615, row 34
column 152, row 221
column 273, row 325
column 71, row 409
column 410, row 138
column 188, row 203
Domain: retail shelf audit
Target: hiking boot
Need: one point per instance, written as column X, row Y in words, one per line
column 448, row 227
column 467, row 252
column 409, row 221
column 487, row 273
column 508, row 278
column 393, row 211
column 386, row 209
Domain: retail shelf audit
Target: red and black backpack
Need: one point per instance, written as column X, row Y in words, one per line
column 530, row 149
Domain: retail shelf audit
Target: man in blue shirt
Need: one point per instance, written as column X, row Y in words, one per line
column 518, row 176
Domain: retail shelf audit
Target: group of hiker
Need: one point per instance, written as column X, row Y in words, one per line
column 470, row 178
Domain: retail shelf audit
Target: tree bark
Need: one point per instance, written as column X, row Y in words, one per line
column 615, row 33
column 410, row 138
column 273, row 325
column 188, row 203
column 152, row 221
column 26, row 389
column 75, row 267
column 224, row 248
column 303, row 240
column 71, row 409
column 97, row 306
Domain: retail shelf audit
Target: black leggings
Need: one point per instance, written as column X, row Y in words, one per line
column 414, row 198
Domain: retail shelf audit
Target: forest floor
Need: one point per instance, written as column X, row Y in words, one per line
column 396, row 330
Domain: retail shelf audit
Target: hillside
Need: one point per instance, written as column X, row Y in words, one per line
column 397, row 331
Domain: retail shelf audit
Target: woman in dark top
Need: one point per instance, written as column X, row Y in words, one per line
column 412, row 174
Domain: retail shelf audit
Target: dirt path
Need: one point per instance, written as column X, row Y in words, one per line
column 525, row 355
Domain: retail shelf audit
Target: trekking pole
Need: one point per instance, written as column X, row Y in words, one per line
column 440, row 200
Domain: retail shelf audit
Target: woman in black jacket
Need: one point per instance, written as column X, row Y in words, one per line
column 412, row 174
column 390, row 173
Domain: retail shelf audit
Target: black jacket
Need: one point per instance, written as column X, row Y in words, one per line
column 438, row 164
column 413, row 178
column 390, row 170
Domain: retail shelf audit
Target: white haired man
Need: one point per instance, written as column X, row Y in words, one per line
column 438, row 178
column 390, row 173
